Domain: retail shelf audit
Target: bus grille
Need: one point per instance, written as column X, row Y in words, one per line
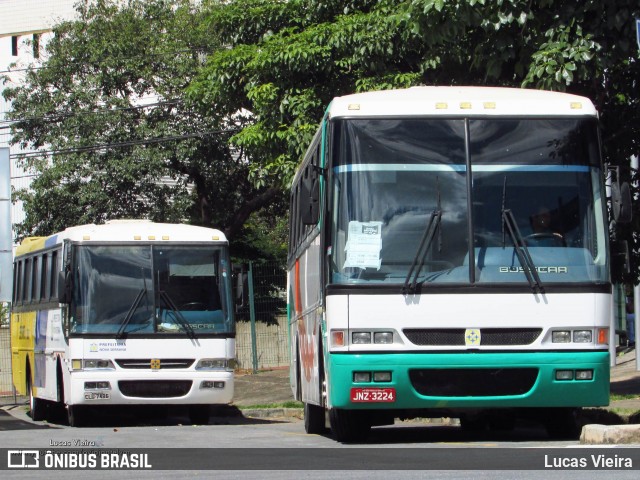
column 154, row 388
column 489, row 336
column 145, row 363
column 473, row 382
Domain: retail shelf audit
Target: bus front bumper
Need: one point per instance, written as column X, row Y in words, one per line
column 117, row 388
column 468, row 380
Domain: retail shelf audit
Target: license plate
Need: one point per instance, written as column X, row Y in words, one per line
column 373, row 395
column 97, row 396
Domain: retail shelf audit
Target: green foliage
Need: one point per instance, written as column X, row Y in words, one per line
column 114, row 159
column 287, row 60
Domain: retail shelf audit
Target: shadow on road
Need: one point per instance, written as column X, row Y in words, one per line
column 16, row 418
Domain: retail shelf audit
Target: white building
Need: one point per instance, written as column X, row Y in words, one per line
column 25, row 26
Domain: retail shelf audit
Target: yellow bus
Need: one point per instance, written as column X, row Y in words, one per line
column 125, row 313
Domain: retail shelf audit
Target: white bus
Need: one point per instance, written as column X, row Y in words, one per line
column 449, row 257
column 125, row 313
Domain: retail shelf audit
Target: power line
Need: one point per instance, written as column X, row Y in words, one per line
column 94, row 112
column 97, row 64
column 106, row 146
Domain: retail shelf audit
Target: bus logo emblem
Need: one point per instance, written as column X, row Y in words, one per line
column 472, row 337
column 155, row 364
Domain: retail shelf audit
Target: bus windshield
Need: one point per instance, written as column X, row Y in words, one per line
column 391, row 177
column 127, row 290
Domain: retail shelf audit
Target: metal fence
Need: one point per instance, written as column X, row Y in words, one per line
column 262, row 337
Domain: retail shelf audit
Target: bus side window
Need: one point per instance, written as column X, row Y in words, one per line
column 44, row 276
column 26, row 284
column 53, row 275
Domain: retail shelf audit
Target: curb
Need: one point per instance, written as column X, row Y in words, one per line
column 273, row 412
column 610, row 435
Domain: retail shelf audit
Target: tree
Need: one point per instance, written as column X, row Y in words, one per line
column 286, row 60
column 107, row 108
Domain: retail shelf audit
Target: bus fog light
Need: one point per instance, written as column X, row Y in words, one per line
column 564, row 374
column 384, row 338
column 76, row 364
column 97, row 386
column 584, row 374
column 381, row 376
column 582, row 336
column 561, row 336
column 360, row 338
column 205, row 384
column 361, row 377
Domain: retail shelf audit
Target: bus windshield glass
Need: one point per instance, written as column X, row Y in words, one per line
column 141, row 290
column 391, row 177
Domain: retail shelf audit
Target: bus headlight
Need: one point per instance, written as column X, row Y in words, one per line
column 213, row 364
column 97, row 364
column 383, row 338
column 360, row 338
column 561, row 336
column 582, row 336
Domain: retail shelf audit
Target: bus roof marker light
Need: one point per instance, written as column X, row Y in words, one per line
column 137, row 237
column 354, row 106
column 151, row 237
column 165, row 237
column 489, row 105
column 576, row 105
column 86, row 237
column 441, row 106
column 466, row 106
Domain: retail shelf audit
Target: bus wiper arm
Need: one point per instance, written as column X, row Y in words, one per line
column 132, row 309
column 522, row 252
column 421, row 253
column 179, row 317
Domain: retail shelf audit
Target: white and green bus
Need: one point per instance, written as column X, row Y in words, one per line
column 125, row 313
column 449, row 257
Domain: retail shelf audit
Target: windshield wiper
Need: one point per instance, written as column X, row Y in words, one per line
column 425, row 243
column 520, row 246
column 180, row 320
column 132, row 309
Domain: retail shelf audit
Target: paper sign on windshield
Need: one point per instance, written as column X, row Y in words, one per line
column 364, row 242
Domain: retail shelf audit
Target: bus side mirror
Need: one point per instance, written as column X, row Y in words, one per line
column 621, row 255
column 64, row 287
column 241, row 293
column 621, row 202
column 310, row 208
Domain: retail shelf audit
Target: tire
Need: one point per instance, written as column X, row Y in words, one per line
column 314, row 419
column 349, row 426
column 199, row 414
column 37, row 407
column 474, row 423
column 563, row 424
column 77, row 415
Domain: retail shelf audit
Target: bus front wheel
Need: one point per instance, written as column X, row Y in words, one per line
column 348, row 425
column 199, row 414
column 76, row 415
column 314, row 419
column 563, row 423
column 36, row 405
